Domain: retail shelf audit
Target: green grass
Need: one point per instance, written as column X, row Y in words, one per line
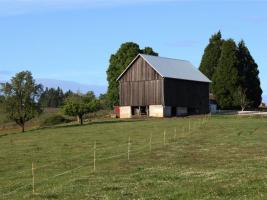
column 223, row 157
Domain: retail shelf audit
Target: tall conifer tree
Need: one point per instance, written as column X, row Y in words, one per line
column 225, row 80
column 211, row 55
column 249, row 76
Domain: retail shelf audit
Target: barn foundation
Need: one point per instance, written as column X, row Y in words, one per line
column 160, row 111
column 125, row 112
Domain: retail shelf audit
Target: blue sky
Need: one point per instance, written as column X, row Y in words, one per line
column 72, row 40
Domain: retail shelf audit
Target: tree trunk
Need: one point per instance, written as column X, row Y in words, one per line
column 81, row 120
column 78, row 119
column 22, row 128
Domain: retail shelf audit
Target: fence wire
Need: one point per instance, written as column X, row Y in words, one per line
column 132, row 151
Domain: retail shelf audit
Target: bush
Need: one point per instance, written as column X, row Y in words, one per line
column 54, row 120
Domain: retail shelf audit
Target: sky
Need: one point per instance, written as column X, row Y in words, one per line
column 70, row 41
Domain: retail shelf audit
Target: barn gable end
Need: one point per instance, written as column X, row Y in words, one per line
column 139, row 70
column 140, row 85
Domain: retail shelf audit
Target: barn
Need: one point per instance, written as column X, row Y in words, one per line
column 162, row 87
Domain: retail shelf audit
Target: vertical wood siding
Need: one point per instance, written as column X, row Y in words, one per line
column 140, row 71
column 141, row 85
column 184, row 93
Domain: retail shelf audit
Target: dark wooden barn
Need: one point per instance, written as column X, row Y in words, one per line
column 161, row 87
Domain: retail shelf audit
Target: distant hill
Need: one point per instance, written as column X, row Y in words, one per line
column 72, row 85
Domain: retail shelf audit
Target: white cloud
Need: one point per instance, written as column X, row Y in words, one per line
column 15, row 7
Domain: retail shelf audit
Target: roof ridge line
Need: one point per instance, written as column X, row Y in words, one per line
column 164, row 57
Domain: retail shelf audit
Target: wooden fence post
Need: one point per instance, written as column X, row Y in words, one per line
column 94, row 154
column 164, row 138
column 175, row 134
column 129, row 143
column 189, row 126
column 33, row 188
column 150, row 143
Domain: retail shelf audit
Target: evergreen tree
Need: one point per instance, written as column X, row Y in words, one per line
column 249, row 76
column 52, row 98
column 225, row 79
column 117, row 63
column 211, row 55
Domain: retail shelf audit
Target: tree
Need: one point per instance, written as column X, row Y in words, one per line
column 242, row 98
column 211, row 55
column 117, row 63
column 104, row 101
column 225, row 80
column 79, row 105
column 148, row 51
column 21, row 98
column 249, row 76
column 52, row 98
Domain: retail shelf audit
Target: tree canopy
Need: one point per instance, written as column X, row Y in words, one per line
column 233, row 72
column 21, row 98
column 117, row 63
column 211, row 55
column 79, row 105
column 225, row 80
column 52, row 98
column 249, row 76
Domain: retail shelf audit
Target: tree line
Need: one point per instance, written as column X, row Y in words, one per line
column 233, row 72
column 230, row 67
column 23, row 99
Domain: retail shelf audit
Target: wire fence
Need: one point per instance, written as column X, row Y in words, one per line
column 149, row 143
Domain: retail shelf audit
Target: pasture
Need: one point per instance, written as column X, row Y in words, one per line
column 218, row 157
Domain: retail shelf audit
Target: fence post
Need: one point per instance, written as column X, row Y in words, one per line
column 150, row 143
column 129, row 143
column 94, row 154
column 164, row 137
column 175, row 133
column 189, row 126
column 33, row 188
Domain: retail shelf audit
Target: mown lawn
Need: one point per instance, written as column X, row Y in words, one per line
column 220, row 157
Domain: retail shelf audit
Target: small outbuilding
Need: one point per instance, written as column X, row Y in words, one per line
column 162, row 87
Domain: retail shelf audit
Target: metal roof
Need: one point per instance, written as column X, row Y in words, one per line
column 172, row 68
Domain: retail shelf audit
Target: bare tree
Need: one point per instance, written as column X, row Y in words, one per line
column 242, row 98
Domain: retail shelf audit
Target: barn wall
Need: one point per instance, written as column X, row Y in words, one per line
column 141, row 85
column 189, row 94
column 140, row 71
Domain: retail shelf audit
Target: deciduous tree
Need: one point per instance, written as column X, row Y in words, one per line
column 117, row 63
column 21, row 98
column 79, row 105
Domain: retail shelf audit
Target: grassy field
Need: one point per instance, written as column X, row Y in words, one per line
column 221, row 157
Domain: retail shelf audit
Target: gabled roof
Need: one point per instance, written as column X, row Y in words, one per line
column 172, row 68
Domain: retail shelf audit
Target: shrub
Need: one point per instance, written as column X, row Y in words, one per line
column 54, row 120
